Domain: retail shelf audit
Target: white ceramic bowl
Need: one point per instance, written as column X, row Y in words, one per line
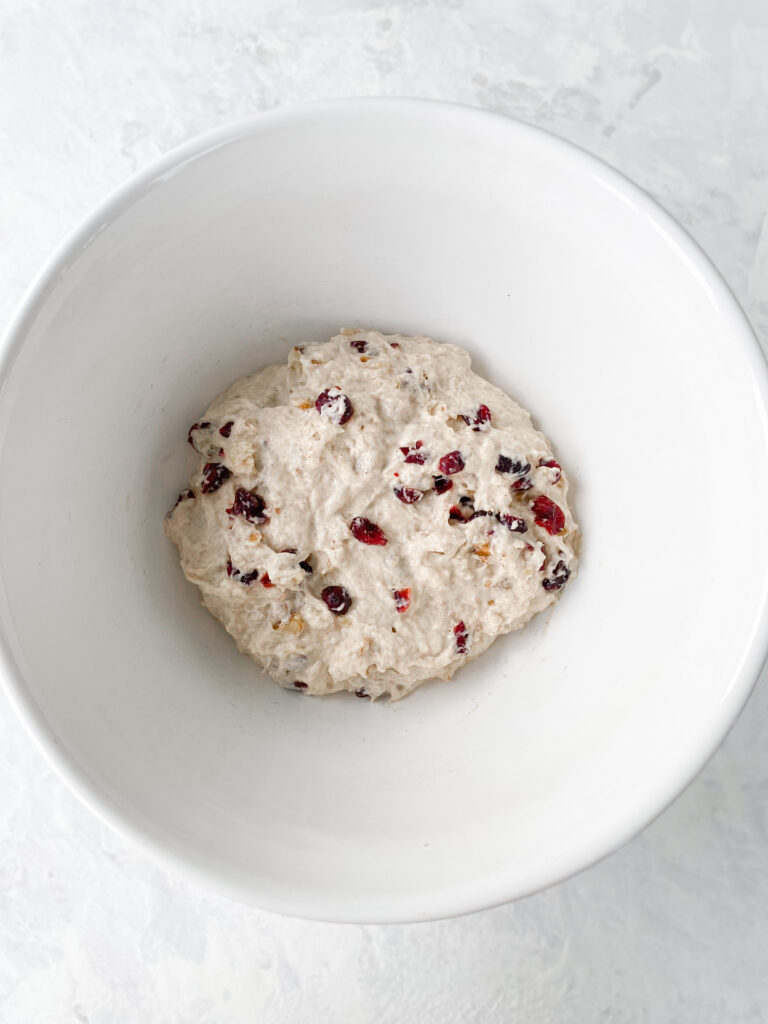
column 575, row 293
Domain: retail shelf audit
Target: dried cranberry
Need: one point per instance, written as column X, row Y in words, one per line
column 287, row 551
column 306, row 567
column 552, row 464
column 231, row 570
column 334, row 405
column 514, row 466
column 395, row 344
column 547, row 514
column 402, row 600
column 451, row 463
column 360, row 344
column 250, row 506
column 442, row 484
column 413, row 455
column 337, row 599
column 513, row 523
column 480, row 512
column 466, row 500
column 417, row 458
column 192, row 429
column 299, row 684
column 251, row 577
column 367, row 532
column 523, row 484
column 559, row 577
column 460, row 632
column 214, row 475
column 408, row 495
column 226, row 430
column 479, row 420
column 266, row 581
column 456, row 515
column 361, row 693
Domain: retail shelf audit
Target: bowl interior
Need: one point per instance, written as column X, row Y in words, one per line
column 573, row 293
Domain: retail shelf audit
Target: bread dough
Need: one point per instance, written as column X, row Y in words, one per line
column 372, row 515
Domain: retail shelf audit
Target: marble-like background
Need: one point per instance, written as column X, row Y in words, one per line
column 673, row 928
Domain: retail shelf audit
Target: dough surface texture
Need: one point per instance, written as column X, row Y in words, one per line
column 372, row 515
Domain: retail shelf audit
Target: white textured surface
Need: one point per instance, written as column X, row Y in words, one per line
column 670, row 929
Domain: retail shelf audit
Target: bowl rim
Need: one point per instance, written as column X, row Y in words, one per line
column 448, row 901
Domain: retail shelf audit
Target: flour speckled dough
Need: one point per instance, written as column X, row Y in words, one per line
column 372, row 515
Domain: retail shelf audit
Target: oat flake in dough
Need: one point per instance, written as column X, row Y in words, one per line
column 306, row 469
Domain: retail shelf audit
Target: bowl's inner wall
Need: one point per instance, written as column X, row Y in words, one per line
column 560, row 739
